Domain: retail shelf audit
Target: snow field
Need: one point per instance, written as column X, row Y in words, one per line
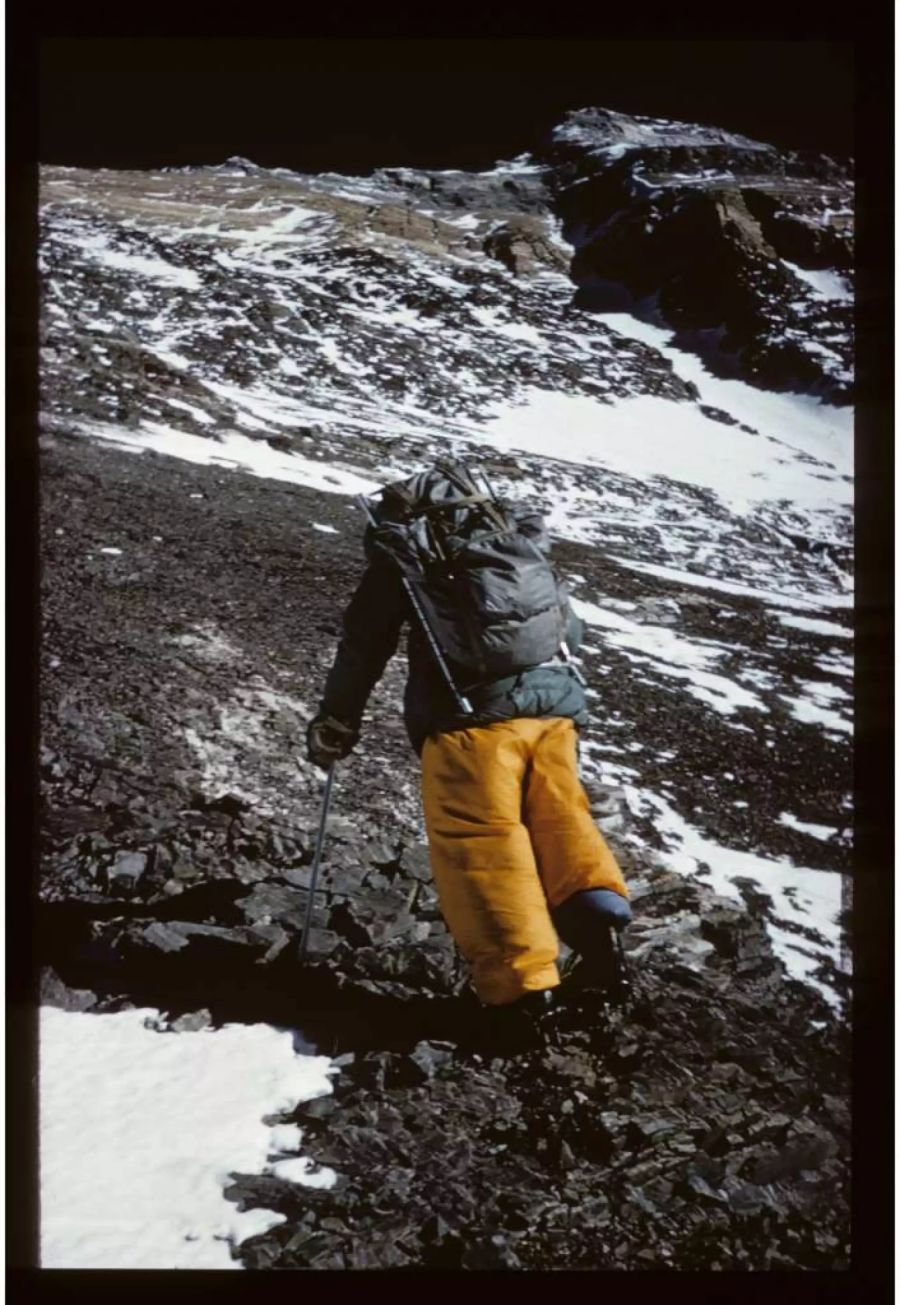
column 141, row 1129
column 802, row 423
column 648, row 436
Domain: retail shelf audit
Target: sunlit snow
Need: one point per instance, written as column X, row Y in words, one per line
column 810, row 626
column 140, row 1131
column 98, row 248
column 238, row 452
column 800, row 893
column 825, row 284
column 672, row 655
column 814, row 709
column 647, row 436
column 805, row 827
column 799, row 421
column 768, row 596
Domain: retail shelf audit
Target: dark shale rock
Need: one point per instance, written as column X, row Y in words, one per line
column 269, row 902
column 127, row 870
column 167, row 937
column 706, row 257
column 318, row 1108
column 321, row 943
column 191, row 1022
column 415, row 862
column 214, row 943
column 494, row 1253
column 53, row 992
column 804, row 1154
column 723, row 928
column 427, row 1058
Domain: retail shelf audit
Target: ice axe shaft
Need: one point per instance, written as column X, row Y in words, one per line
column 566, row 655
column 317, row 861
column 624, row 972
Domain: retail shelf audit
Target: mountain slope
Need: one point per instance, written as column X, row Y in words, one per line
column 229, row 354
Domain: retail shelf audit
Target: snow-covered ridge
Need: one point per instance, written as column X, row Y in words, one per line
column 606, row 130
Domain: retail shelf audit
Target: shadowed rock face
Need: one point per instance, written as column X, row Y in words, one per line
column 703, row 230
column 190, row 612
column 522, row 244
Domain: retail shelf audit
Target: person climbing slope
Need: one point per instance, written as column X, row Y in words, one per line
column 493, row 706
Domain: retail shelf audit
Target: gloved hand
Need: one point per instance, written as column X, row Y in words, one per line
column 329, row 740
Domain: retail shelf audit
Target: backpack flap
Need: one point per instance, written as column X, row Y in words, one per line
column 479, row 570
column 413, row 515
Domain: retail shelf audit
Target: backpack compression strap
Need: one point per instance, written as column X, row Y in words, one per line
column 464, row 501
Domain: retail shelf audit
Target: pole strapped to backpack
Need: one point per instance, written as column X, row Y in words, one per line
column 462, row 702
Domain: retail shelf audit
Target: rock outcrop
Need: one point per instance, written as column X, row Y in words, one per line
column 719, row 237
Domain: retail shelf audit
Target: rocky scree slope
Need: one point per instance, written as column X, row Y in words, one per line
column 707, row 1128
column 325, row 333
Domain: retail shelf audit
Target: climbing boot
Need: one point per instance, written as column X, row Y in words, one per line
column 601, row 973
column 528, row 1024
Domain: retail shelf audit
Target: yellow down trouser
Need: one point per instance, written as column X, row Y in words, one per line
column 511, row 837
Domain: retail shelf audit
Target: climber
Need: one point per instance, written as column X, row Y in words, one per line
column 492, row 705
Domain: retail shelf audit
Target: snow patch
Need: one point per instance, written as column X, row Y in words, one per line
column 491, row 318
column 208, row 641
column 817, row 831
column 155, row 269
column 245, row 723
column 815, row 627
column 140, row 1131
column 824, row 283
column 800, row 422
column 239, row 452
column 816, row 894
column 671, row 655
column 814, row 710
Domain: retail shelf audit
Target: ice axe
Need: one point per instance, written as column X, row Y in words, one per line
column 317, row 861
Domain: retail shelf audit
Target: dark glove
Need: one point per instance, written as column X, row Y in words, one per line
column 329, row 740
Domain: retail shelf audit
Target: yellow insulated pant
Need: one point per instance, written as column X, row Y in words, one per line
column 511, row 837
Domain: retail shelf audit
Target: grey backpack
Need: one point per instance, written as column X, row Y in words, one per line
column 478, row 567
